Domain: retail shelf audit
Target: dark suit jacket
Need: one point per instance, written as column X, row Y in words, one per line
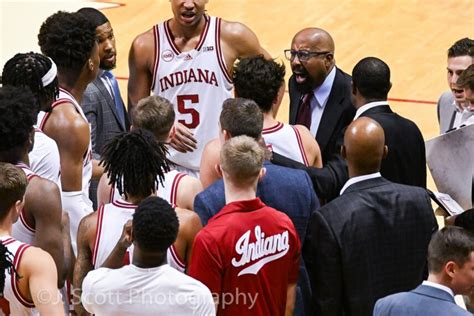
column 337, row 114
column 99, row 108
column 286, row 190
column 424, row 300
column 406, row 159
column 370, row 242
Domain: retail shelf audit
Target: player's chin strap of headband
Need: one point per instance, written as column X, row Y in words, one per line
column 50, row 75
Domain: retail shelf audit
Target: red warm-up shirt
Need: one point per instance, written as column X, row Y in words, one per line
column 247, row 255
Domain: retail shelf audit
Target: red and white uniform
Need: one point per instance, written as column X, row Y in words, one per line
column 21, row 230
column 44, row 158
column 286, row 140
column 110, row 221
column 247, row 246
column 19, row 305
column 168, row 191
column 196, row 82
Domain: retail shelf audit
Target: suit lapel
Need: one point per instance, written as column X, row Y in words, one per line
column 109, row 100
column 332, row 111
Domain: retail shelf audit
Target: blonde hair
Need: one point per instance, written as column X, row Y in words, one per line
column 154, row 114
column 242, row 159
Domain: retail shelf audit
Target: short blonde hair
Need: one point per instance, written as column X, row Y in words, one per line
column 13, row 184
column 242, row 159
column 154, row 114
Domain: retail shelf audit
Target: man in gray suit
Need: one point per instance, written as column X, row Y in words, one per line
column 102, row 103
column 450, row 110
column 451, row 267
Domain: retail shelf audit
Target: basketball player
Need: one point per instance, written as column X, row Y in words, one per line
column 263, row 81
column 135, row 163
column 247, row 246
column 28, row 275
column 187, row 59
column 40, row 218
column 39, row 74
column 156, row 115
column 155, row 227
column 69, row 39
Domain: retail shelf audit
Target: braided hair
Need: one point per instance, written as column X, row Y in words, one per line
column 6, row 263
column 27, row 70
column 135, row 163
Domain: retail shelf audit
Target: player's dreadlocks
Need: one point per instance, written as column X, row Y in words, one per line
column 28, row 70
column 135, row 163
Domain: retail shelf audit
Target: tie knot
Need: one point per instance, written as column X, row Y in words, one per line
column 108, row 74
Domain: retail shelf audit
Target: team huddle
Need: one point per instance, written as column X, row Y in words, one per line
column 194, row 199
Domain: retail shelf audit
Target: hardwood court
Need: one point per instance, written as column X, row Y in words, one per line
column 411, row 36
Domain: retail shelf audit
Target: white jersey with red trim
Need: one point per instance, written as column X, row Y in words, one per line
column 110, row 221
column 168, row 191
column 44, row 158
column 66, row 97
column 19, row 305
column 286, row 140
column 196, row 82
column 21, row 230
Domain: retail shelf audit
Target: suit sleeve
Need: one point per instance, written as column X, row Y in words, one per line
column 325, row 268
column 201, row 209
column 90, row 105
column 206, row 264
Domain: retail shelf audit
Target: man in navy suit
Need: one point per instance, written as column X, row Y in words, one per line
column 289, row 191
column 102, row 103
column 372, row 240
column 451, row 268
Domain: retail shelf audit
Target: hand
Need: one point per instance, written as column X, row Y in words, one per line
column 182, row 139
column 126, row 238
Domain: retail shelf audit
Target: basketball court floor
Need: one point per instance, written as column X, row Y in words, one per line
column 411, row 36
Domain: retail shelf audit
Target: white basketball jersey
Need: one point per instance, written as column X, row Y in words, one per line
column 66, row 97
column 21, row 230
column 19, row 305
column 196, row 82
column 44, row 158
column 285, row 140
column 110, row 221
column 168, row 191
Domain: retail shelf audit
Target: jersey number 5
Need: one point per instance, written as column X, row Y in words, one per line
column 192, row 98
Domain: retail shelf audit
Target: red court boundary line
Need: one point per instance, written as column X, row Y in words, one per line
column 389, row 99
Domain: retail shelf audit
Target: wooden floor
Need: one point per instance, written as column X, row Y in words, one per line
column 411, row 36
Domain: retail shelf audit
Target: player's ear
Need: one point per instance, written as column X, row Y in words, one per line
column 262, row 173
column 218, row 170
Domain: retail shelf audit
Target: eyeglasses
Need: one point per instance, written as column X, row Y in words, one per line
column 303, row 55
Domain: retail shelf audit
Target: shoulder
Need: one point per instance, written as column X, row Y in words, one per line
column 392, row 301
column 187, row 217
column 36, row 260
column 144, row 40
column 234, row 30
column 446, row 98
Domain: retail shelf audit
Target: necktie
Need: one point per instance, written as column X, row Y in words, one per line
column 116, row 96
column 303, row 117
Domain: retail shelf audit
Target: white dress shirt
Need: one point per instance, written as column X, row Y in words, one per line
column 367, row 107
column 354, row 180
column 319, row 100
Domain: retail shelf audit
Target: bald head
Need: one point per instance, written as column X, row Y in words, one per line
column 318, row 37
column 364, row 146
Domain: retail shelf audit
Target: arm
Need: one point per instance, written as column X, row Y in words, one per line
column 311, row 147
column 189, row 226
column 115, row 259
column 238, row 41
column 85, row 242
column 290, row 299
column 40, row 271
column 69, row 258
column 140, row 65
column 103, row 190
column 43, row 201
column 90, row 105
column 71, row 133
column 209, row 159
column 188, row 188
column 97, row 170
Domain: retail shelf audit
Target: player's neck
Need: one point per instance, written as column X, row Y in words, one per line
column 76, row 87
column 6, row 226
column 134, row 199
column 187, row 32
column 235, row 193
column 269, row 120
column 147, row 259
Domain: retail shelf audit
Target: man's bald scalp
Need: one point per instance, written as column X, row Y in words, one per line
column 317, row 35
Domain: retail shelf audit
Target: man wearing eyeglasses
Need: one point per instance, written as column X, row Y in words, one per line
column 320, row 94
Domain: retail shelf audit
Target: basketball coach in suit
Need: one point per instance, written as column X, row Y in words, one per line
column 451, row 266
column 320, row 94
column 372, row 240
column 102, row 103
